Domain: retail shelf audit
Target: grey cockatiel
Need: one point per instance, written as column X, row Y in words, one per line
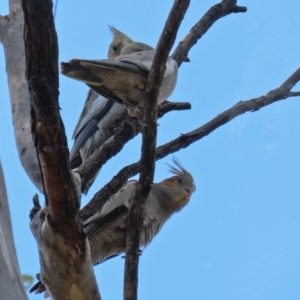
column 100, row 115
column 122, row 79
column 107, row 229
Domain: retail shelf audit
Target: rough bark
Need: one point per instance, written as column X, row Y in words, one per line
column 66, row 268
column 147, row 162
column 184, row 140
column 89, row 169
column 11, row 285
column 125, row 132
column 11, row 36
column 59, row 233
column 216, row 12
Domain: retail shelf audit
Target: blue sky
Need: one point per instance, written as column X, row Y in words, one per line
column 239, row 238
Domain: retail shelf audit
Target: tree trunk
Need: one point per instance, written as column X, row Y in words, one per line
column 11, row 286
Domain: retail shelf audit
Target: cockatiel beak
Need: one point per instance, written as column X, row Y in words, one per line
column 190, row 189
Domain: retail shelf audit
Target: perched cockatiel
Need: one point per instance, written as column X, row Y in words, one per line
column 107, row 229
column 122, row 79
column 100, row 115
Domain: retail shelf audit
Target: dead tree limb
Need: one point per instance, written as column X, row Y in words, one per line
column 125, row 132
column 216, row 12
column 63, row 246
column 11, row 285
column 91, row 166
column 147, row 162
column 11, row 36
column 281, row 93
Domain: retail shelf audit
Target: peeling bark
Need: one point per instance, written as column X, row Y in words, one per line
column 66, row 268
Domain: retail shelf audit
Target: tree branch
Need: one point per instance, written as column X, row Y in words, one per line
column 11, row 285
column 91, row 166
column 281, row 93
column 60, row 235
column 125, row 132
column 216, row 12
column 294, row 94
column 136, row 213
column 3, row 24
column 11, row 32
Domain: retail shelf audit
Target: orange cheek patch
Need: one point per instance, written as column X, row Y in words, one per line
column 141, row 86
column 169, row 183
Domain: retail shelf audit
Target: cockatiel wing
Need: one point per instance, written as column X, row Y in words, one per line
column 93, row 105
column 96, row 108
column 116, row 80
column 114, row 207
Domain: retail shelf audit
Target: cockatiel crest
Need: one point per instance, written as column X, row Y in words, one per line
column 120, row 40
column 107, row 229
column 100, row 116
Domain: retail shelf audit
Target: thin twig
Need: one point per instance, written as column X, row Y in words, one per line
column 216, row 12
column 90, row 167
column 184, row 140
column 136, row 213
column 125, row 132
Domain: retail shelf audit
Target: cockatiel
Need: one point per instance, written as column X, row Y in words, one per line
column 106, row 230
column 122, row 79
column 100, row 115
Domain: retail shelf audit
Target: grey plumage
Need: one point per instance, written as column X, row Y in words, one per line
column 122, row 79
column 101, row 115
column 107, row 229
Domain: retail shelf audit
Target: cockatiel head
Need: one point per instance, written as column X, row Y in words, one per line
column 107, row 229
column 178, row 187
column 120, row 40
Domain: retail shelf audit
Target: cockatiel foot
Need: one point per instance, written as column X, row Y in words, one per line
column 118, row 132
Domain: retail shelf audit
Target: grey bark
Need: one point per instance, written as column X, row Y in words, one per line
column 11, row 37
column 64, row 252
column 11, row 286
column 73, row 279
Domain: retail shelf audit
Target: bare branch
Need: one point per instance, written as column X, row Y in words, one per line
column 91, row 166
column 11, row 285
column 125, row 132
column 3, row 24
column 136, row 213
column 294, row 94
column 187, row 139
column 60, row 235
column 11, row 32
column 216, row 12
